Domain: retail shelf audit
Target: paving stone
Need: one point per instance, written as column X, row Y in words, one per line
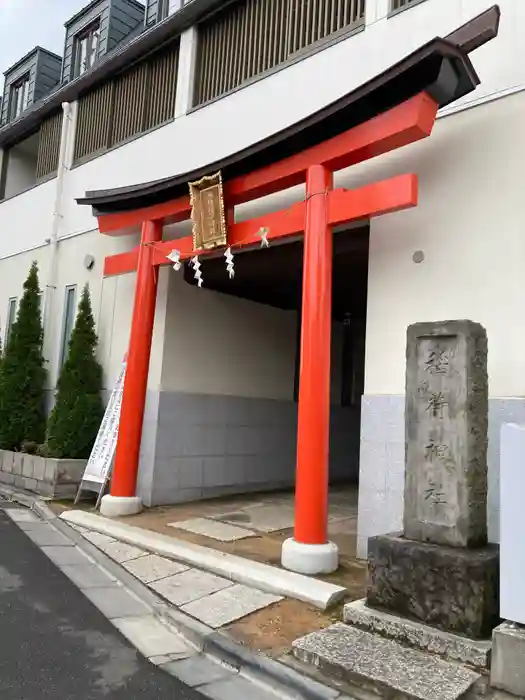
column 88, row 575
column 229, row 604
column 415, row 634
column 151, row 637
column 47, row 535
column 153, row 568
column 345, row 526
column 164, row 659
column 198, row 670
column 114, row 601
column 27, row 525
column 189, row 586
column 66, row 556
column 263, row 518
column 236, row 688
column 96, row 538
column 120, row 551
column 384, row 665
column 339, row 511
column 22, row 515
column 223, row 532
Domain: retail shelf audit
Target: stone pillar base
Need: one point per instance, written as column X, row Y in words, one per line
column 452, row 589
column 309, row 559
column 118, row 506
column 508, row 659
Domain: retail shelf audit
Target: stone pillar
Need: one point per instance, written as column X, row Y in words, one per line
column 446, row 424
column 440, row 570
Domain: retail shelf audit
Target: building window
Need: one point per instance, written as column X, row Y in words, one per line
column 86, row 47
column 11, row 318
column 68, row 322
column 164, row 7
column 252, row 37
column 398, row 5
column 19, row 97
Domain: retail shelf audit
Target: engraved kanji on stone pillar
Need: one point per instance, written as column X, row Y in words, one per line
column 446, row 434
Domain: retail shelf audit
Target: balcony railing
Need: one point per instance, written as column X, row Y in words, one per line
column 251, row 37
column 139, row 99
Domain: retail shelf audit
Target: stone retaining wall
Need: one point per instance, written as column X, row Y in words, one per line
column 54, row 478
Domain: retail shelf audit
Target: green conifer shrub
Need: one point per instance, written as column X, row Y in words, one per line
column 74, row 422
column 23, row 374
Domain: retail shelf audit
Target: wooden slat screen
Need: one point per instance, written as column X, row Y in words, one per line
column 94, row 118
column 400, row 4
column 253, row 36
column 49, row 146
column 162, row 88
column 135, row 101
column 129, row 98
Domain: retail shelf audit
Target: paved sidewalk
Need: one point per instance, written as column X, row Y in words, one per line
column 175, row 641
column 252, row 527
column 214, row 600
column 54, row 643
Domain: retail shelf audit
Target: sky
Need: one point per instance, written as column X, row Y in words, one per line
column 25, row 24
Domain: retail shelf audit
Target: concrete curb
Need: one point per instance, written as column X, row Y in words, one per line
column 23, row 498
column 220, row 647
column 266, row 578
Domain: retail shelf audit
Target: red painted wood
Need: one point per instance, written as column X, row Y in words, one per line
column 121, row 263
column 406, row 123
column 126, row 467
column 313, row 429
column 376, row 199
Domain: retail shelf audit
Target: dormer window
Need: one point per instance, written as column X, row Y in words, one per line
column 86, row 47
column 19, row 99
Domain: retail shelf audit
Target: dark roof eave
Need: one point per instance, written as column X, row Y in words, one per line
column 454, row 78
column 438, row 68
column 152, row 38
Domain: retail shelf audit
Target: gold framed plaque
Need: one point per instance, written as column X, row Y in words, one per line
column 207, row 213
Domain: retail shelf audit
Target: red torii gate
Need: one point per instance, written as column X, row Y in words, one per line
column 323, row 208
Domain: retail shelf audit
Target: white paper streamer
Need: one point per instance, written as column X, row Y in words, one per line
column 230, row 265
column 263, row 233
column 174, row 256
column 197, row 270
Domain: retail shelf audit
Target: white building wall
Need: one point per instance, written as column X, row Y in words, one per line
column 469, row 227
column 223, row 345
column 238, row 120
column 20, row 174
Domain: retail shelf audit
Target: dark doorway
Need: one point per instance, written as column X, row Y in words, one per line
column 273, row 276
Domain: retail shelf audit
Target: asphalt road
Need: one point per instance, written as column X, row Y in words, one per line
column 55, row 644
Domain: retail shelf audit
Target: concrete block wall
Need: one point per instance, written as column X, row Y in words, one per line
column 56, row 478
column 382, row 464
column 198, row 446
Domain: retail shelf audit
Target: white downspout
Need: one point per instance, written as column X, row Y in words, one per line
column 63, row 166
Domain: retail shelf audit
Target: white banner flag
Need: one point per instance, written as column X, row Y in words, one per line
column 99, row 464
